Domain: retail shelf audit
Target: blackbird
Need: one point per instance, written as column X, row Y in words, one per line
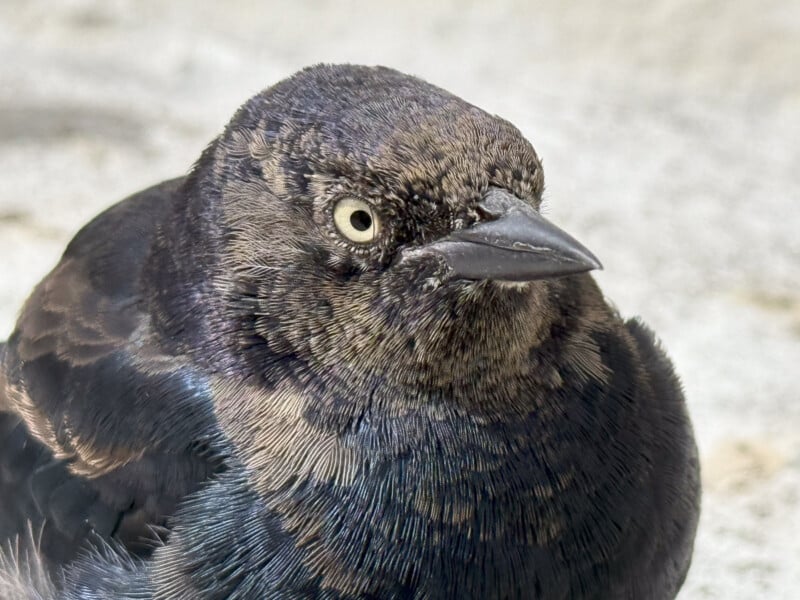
column 344, row 357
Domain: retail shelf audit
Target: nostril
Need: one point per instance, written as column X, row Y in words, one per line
column 495, row 203
column 485, row 213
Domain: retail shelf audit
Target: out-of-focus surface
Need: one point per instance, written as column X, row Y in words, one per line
column 670, row 133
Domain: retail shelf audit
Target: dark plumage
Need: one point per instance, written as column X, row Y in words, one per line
column 343, row 358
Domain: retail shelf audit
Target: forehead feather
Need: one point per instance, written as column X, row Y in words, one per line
column 358, row 121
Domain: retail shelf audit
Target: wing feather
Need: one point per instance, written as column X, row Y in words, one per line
column 101, row 430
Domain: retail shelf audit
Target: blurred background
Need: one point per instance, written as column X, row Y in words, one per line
column 670, row 133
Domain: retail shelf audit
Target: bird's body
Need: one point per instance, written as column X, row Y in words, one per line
column 414, row 400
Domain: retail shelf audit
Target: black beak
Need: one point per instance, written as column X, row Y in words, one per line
column 517, row 244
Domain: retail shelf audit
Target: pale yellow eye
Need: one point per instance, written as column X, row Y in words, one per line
column 356, row 220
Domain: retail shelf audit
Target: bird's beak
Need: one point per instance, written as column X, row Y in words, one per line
column 515, row 244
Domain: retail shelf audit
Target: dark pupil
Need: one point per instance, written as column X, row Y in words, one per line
column 361, row 220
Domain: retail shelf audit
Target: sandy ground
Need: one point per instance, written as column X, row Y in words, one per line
column 670, row 133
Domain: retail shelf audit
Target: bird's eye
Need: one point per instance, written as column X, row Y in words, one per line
column 356, row 220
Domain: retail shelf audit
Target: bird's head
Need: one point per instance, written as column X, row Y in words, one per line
column 369, row 217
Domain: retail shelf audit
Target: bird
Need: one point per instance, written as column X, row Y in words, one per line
column 345, row 356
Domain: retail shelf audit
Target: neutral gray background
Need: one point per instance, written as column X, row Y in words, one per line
column 669, row 132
